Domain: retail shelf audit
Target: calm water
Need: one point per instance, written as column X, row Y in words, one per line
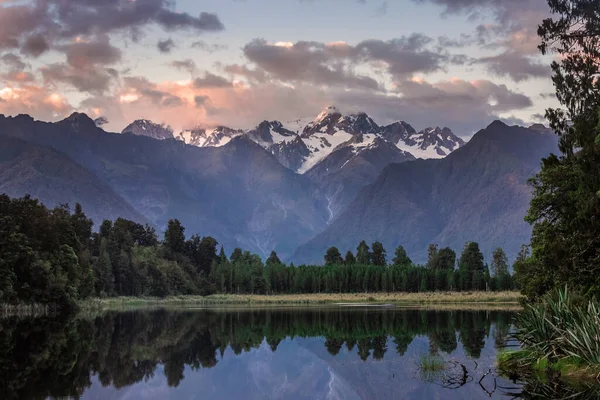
column 289, row 353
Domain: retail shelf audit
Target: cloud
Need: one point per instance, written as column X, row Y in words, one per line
column 209, row 48
column 165, row 46
column 253, row 75
column 305, row 62
column 15, row 69
column 211, row 81
column 35, row 45
column 83, row 55
column 185, row 65
column 37, row 25
column 86, row 79
column 201, row 100
column 464, row 106
column 34, row 100
column 13, row 61
column 140, row 89
column 512, row 24
column 515, row 66
column 335, row 64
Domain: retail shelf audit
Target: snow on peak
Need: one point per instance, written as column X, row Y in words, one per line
column 324, row 123
column 201, row 137
column 144, row 127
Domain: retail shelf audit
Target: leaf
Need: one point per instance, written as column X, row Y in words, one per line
column 597, row 141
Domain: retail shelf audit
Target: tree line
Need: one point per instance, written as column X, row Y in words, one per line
column 52, row 256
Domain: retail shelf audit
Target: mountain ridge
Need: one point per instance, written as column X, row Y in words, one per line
column 479, row 193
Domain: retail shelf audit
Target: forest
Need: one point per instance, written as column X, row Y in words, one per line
column 55, row 257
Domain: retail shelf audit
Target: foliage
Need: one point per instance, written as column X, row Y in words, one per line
column 54, row 257
column 565, row 208
column 562, row 326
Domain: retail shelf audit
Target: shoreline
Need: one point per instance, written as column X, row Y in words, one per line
column 570, row 370
column 508, row 299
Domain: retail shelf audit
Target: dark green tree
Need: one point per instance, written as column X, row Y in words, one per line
column 379, row 255
column 471, row 268
column 565, row 208
column 432, row 254
column 363, row 254
column 333, row 257
column 401, row 258
column 350, row 259
column 175, row 237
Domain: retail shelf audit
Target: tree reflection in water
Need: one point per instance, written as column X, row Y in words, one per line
column 45, row 357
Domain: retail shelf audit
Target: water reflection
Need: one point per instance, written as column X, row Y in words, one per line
column 292, row 353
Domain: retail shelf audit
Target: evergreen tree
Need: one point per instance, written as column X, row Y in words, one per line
column 445, row 259
column 350, row 259
column 222, row 256
column 378, row 256
column 104, row 278
column 500, row 272
column 333, row 257
column 432, row 254
column 236, row 256
column 471, row 268
column 273, row 259
column 175, row 237
column 363, row 254
column 401, row 258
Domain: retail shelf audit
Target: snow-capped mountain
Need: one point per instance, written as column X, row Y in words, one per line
column 200, row 137
column 144, row 127
column 301, row 145
column 431, row 143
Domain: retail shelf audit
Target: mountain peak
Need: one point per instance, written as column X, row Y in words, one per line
column 497, row 124
column 144, row 127
column 79, row 121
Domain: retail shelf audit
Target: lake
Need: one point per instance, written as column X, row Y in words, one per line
column 334, row 352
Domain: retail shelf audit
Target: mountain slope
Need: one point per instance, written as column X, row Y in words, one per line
column 477, row 193
column 344, row 172
column 53, row 178
column 238, row 193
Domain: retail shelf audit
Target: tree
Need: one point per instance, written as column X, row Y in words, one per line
column 565, row 208
column 148, row 237
column 378, row 255
column 401, row 258
column 350, row 259
column 432, row 253
column 471, row 268
column 445, row 260
column 104, row 278
column 175, row 237
column 222, row 256
column 500, row 272
column 236, row 255
column 273, row 259
column 363, row 255
column 333, row 257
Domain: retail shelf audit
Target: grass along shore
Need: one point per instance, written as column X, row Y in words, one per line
column 428, row 298
column 559, row 336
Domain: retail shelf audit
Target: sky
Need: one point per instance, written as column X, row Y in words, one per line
column 188, row 63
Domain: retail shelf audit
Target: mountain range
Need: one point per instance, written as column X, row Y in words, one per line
column 477, row 193
column 301, row 148
column 291, row 187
